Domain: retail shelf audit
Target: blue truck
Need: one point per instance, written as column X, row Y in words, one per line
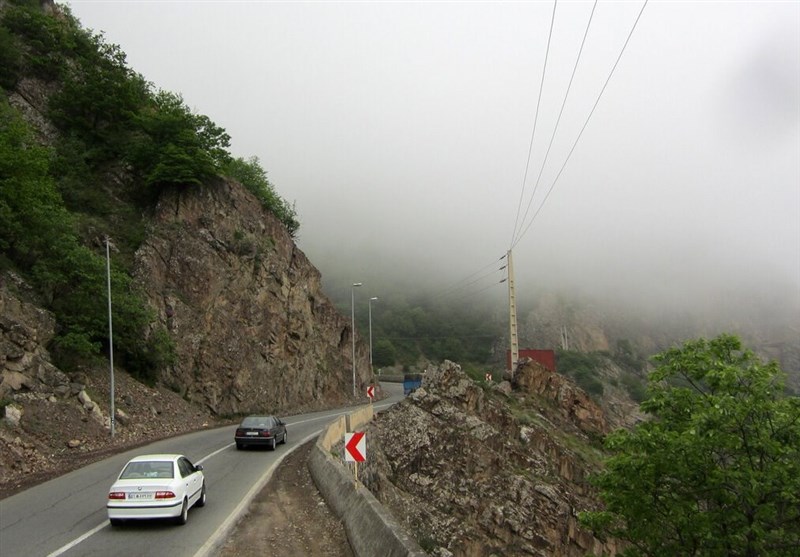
column 411, row 382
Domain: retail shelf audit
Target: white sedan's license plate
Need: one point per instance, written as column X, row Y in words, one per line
column 140, row 495
column 252, row 433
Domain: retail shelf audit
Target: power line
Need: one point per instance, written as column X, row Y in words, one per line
column 533, row 219
column 535, row 120
column 560, row 113
column 461, row 288
column 474, row 292
column 439, row 337
column 456, row 285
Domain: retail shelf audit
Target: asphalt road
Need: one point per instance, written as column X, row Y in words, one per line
column 67, row 515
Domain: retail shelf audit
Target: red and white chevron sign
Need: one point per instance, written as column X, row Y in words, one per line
column 371, row 391
column 355, row 446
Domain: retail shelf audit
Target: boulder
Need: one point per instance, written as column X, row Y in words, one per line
column 13, row 415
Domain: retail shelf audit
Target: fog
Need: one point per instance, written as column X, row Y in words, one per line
column 402, row 132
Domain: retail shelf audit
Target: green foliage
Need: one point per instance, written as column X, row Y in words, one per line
column 583, row 368
column 47, row 40
column 626, row 357
column 98, row 100
column 176, row 146
column 119, row 144
column 635, row 387
column 33, row 222
column 37, row 234
column 383, row 353
column 716, row 470
column 252, row 176
column 10, row 59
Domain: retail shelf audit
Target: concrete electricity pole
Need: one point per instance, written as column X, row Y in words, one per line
column 512, row 315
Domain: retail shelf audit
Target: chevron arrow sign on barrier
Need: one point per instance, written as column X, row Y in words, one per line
column 355, row 445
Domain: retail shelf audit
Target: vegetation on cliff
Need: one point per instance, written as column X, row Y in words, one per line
column 95, row 148
column 716, row 470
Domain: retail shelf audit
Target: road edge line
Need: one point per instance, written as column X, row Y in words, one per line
column 224, row 530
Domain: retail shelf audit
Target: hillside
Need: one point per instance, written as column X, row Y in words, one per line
column 499, row 470
column 216, row 312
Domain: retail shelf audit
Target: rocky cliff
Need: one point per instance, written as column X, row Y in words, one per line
column 254, row 331
column 496, row 471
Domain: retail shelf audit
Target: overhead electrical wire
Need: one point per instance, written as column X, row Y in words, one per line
column 558, row 120
column 487, row 287
column 459, row 290
column 535, row 120
column 569, row 155
column 456, row 285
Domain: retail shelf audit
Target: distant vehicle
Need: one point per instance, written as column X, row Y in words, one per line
column 156, row 486
column 260, row 430
column 411, row 382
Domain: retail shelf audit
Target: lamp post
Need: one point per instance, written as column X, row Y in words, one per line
column 110, row 336
column 353, row 321
column 373, row 299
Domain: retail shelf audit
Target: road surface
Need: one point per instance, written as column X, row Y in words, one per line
column 67, row 515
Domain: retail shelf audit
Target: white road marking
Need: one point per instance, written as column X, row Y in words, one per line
column 225, row 528
column 64, row 548
column 76, row 541
column 230, row 521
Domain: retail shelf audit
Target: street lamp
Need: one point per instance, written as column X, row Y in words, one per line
column 374, row 298
column 110, row 336
column 353, row 321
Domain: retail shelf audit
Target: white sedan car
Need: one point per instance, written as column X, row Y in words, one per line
column 156, row 486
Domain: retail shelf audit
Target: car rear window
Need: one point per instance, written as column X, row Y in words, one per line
column 258, row 421
column 147, row 469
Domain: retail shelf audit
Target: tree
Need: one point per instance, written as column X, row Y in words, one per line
column 716, row 470
column 251, row 175
column 384, row 353
column 177, row 146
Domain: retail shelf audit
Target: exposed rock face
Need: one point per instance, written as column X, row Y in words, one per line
column 253, row 329
column 25, row 330
column 474, row 472
column 572, row 401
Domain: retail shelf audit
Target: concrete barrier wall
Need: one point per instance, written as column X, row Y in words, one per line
column 391, row 377
column 371, row 529
column 333, row 433
column 359, row 417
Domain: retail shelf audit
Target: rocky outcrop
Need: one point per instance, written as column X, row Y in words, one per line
column 572, row 401
column 253, row 330
column 25, row 330
column 475, row 471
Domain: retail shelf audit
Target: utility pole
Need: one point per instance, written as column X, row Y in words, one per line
column 512, row 315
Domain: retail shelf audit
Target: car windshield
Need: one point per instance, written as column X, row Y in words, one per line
column 258, row 421
column 147, row 469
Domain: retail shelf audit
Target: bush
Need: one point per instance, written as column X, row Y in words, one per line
column 252, row 176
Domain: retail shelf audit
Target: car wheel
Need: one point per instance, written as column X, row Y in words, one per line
column 184, row 516
column 202, row 501
column 239, row 446
column 115, row 521
column 285, row 434
column 273, row 444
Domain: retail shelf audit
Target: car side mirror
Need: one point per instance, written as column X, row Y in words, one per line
column 198, row 467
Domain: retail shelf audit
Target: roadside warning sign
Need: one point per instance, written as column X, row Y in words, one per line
column 355, row 445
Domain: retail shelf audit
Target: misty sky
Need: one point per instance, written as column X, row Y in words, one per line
column 402, row 132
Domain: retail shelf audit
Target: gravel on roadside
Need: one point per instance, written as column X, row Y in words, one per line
column 289, row 517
